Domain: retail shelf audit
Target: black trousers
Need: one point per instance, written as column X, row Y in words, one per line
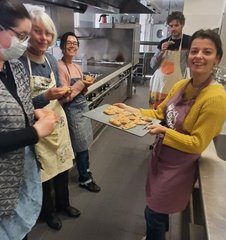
column 55, row 195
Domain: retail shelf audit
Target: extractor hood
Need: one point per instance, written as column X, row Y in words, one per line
column 76, row 6
column 114, row 6
column 123, row 6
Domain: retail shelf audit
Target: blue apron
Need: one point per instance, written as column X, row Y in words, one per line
column 80, row 127
column 17, row 226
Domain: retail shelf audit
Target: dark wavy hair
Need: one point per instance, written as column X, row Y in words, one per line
column 176, row 15
column 63, row 40
column 11, row 11
column 211, row 35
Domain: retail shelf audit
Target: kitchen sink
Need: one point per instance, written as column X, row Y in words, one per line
column 219, row 142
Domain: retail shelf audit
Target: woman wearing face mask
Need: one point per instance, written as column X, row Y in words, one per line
column 190, row 109
column 75, row 105
column 55, row 151
column 21, row 190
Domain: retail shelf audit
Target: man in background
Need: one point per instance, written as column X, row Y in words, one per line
column 170, row 60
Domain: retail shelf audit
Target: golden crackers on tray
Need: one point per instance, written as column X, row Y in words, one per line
column 123, row 119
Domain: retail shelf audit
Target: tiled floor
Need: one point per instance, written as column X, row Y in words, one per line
column 119, row 164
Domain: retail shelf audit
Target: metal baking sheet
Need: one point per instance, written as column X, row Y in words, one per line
column 97, row 114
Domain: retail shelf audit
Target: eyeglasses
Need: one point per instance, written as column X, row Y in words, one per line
column 21, row 36
column 72, row 43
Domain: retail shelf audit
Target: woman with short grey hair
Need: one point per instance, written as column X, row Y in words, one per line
column 54, row 152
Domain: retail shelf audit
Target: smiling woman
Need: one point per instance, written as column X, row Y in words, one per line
column 75, row 105
column 55, row 151
column 187, row 112
column 205, row 53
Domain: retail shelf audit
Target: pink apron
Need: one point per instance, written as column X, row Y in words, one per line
column 172, row 173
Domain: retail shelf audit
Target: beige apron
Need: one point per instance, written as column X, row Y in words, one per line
column 55, row 151
column 165, row 76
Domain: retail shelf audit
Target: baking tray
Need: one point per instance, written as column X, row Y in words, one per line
column 98, row 115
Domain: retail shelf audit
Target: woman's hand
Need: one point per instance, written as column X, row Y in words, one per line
column 157, row 128
column 65, row 100
column 57, row 92
column 46, row 122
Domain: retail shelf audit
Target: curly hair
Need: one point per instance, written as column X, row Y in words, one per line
column 176, row 15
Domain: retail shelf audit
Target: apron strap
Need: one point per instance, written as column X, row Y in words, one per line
column 80, row 73
column 181, row 40
column 180, row 47
column 29, row 64
column 30, row 70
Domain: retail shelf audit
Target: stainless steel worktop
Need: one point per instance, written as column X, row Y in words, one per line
column 212, row 179
column 107, row 72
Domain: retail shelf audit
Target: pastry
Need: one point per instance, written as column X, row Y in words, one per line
column 65, row 89
column 129, row 125
column 125, row 119
column 146, row 119
column 111, row 110
column 88, row 78
column 141, row 122
column 115, row 122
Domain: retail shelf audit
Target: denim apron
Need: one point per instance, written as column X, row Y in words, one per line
column 168, row 73
column 17, row 226
column 172, row 173
column 80, row 127
column 54, row 151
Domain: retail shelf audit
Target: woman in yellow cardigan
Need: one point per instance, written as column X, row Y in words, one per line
column 193, row 114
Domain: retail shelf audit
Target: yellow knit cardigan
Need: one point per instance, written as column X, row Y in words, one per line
column 203, row 122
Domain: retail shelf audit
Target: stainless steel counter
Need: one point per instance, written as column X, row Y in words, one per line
column 212, row 179
column 107, row 72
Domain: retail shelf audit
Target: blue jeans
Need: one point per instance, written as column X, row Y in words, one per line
column 82, row 162
column 156, row 223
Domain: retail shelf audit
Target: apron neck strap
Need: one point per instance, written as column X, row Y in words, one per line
column 69, row 69
column 181, row 40
column 203, row 85
column 180, row 47
column 29, row 64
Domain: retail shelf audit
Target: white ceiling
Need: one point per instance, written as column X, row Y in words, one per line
column 168, row 4
column 165, row 8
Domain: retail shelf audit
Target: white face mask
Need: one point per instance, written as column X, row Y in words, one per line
column 15, row 50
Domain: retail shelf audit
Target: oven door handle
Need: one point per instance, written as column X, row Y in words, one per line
column 117, row 86
column 97, row 103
